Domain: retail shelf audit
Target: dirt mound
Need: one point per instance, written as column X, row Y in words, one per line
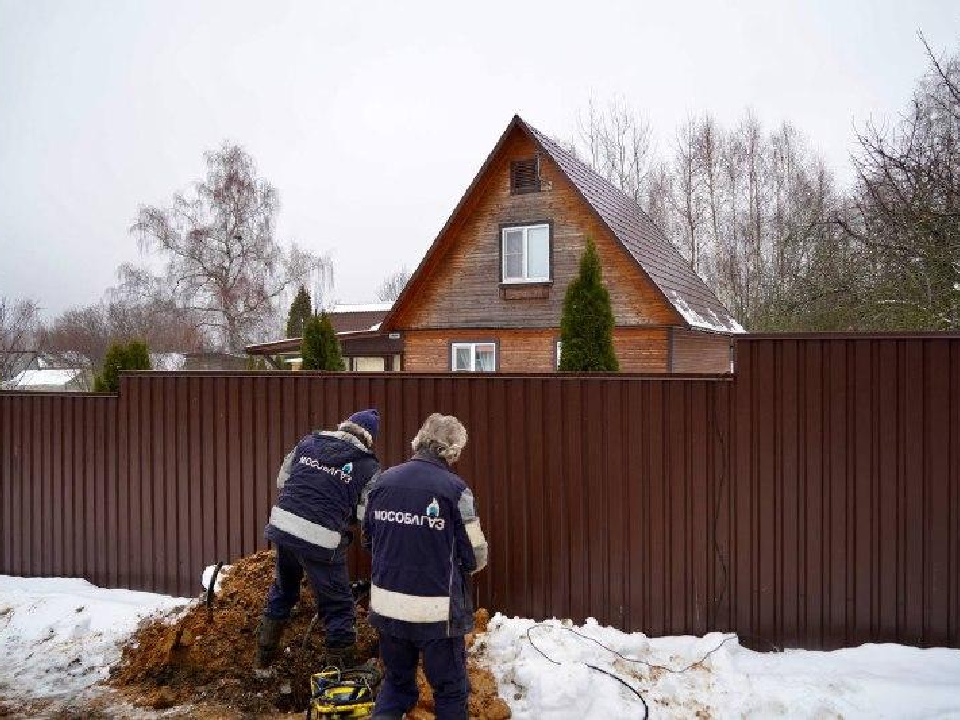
column 207, row 657
column 484, row 704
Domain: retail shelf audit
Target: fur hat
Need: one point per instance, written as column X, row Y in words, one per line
column 443, row 435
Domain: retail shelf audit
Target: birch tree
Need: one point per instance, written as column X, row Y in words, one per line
column 221, row 259
column 18, row 321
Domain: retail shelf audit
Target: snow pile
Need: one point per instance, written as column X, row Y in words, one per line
column 870, row 681
column 58, row 636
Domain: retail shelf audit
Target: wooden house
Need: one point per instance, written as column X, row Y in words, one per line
column 489, row 293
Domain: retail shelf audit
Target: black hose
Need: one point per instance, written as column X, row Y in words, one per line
column 646, row 709
column 210, row 587
column 628, row 686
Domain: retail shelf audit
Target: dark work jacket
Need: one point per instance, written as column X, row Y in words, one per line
column 321, row 481
column 422, row 557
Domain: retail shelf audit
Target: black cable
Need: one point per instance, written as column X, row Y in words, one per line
column 718, row 600
column 684, row 669
column 646, row 708
column 211, row 588
column 628, row 686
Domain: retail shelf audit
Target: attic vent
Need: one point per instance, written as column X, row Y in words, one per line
column 525, row 175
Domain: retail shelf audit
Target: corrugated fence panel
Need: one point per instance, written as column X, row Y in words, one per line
column 55, row 472
column 847, row 472
column 814, row 500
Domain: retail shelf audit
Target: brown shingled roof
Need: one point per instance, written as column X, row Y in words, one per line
column 355, row 321
column 646, row 242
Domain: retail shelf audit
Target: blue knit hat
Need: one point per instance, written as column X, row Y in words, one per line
column 369, row 420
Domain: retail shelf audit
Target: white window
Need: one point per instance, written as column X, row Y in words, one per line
column 473, row 357
column 369, row 364
column 559, row 348
column 526, row 254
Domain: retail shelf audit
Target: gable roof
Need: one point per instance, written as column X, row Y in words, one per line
column 646, row 243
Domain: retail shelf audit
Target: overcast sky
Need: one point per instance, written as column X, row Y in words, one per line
column 372, row 118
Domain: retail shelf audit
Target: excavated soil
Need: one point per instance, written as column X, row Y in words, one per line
column 206, row 656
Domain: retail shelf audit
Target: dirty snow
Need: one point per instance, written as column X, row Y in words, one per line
column 870, row 681
column 58, row 636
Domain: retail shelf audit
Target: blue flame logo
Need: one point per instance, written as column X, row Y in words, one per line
column 433, row 509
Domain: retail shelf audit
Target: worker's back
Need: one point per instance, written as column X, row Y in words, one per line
column 327, row 471
column 422, row 556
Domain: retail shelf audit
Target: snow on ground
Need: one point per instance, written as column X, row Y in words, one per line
column 870, row 681
column 58, row 636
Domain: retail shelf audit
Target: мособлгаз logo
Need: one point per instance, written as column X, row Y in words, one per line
column 431, row 519
column 345, row 473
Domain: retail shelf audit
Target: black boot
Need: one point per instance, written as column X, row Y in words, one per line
column 341, row 656
column 268, row 641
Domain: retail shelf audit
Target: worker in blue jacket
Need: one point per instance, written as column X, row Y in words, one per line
column 421, row 525
column 320, row 482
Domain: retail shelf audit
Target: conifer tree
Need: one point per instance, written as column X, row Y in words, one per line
column 133, row 356
column 300, row 311
column 321, row 349
column 586, row 327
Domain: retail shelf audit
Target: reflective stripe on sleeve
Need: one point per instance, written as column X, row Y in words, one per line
column 478, row 542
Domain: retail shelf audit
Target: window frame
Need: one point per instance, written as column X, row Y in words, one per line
column 557, row 349
column 525, row 227
column 472, row 344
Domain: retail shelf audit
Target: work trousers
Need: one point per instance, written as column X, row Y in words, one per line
column 331, row 586
column 445, row 665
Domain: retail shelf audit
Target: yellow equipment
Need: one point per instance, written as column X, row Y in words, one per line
column 338, row 694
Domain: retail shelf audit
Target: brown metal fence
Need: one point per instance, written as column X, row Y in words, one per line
column 813, row 500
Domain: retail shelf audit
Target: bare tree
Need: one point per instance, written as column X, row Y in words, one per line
column 688, row 198
column 223, row 264
column 750, row 210
column 905, row 212
column 18, row 321
column 78, row 331
column 618, row 143
column 89, row 331
column 393, row 285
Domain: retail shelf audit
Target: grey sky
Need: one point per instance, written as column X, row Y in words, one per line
column 372, row 118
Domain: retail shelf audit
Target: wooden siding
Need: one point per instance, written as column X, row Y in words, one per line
column 531, row 350
column 461, row 283
column 699, row 352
